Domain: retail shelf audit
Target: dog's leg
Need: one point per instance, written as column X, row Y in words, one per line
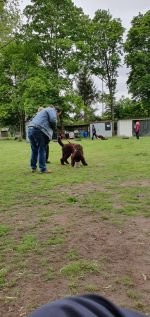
column 72, row 161
column 65, row 158
column 62, row 161
column 83, row 161
column 66, row 155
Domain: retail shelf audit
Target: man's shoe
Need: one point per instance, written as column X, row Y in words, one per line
column 34, row 170
column 48, row 162
column 45, row 172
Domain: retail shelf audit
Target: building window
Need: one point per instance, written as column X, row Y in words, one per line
column 107, row 126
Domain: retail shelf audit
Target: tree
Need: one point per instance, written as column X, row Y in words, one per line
column 24, row 84
column 9, row 21
column 37, row 65
column 107, row 50
column 137, row 48
column 87, row 90
column 57, row 32
column 126, row 108
column 14, row 62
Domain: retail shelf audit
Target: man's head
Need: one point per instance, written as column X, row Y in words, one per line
column 40, row 109
column 58, row 110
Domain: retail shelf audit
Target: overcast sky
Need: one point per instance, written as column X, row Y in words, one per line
column 125, row 10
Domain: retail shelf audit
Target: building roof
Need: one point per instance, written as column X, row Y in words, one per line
column 4, row 129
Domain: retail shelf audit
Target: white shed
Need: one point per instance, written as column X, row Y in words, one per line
column 125, row 128
column 102, row 128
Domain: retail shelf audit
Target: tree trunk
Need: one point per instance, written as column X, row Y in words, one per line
column 112, row 114
column 112, row 109
column 22, row 125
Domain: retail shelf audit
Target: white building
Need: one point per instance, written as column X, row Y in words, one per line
column 103, row 128
column 125, row 128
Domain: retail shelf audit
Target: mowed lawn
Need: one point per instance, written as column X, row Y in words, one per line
column 77, row 230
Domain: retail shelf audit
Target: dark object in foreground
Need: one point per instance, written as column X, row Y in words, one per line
column 84, row 306
column 73, row 150
column 101, row 137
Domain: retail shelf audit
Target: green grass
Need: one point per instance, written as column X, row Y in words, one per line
column 127, row 281
column 55, row 240
column 50, row 275
column 79, row 268
column 133, row 294
column 110, row 163
column 73, row 255
column 40, row 214
column 4, row 230
column 91, row 288
column 3, row 273
column 28, row 243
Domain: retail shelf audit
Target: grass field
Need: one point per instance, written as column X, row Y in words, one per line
column 76, row 230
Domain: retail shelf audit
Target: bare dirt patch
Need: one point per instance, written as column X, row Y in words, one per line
column 138, row 183
column 121, row 253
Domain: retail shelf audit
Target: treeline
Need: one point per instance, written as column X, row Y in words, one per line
column 53, row 57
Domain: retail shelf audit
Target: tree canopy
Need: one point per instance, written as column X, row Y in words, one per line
column 137, row 48
column 54, row 56
column 9, row 21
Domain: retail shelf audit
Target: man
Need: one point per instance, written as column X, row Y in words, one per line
column 40, row 132
column 84, row 306
column 137, row 129
column 93, row 131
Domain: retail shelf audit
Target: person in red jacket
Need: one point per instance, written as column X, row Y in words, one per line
column 137, row 129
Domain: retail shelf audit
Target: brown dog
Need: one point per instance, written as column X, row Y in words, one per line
column 73, row 150
column 101, row 137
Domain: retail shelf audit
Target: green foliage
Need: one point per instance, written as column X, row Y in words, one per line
column 9, row 21
column 58, row 46
column 126, row 108
column 25, row 84
column 137, row 48
column 87, row 90
column 56, row 33
column 107, row 50
column 58, row 39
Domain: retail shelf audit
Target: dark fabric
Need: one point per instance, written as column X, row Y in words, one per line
column 93, row 135
column 47, row 152
column 38, row 142
column 83, row 306
column 137, row 134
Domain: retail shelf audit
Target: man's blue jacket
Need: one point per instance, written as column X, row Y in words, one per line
column 83, row 306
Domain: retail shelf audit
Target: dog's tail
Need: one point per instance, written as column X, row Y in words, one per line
column 60, row 141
